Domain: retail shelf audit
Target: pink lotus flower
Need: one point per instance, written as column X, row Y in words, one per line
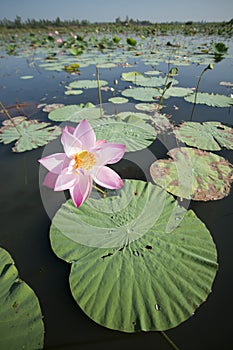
column 59, row 40
column 84, row 160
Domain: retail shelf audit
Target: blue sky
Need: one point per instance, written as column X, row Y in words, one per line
column 109, row 10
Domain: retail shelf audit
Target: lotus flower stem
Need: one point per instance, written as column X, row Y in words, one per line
column 101, row 191
column 168, row 340
column 166, row 84
column 210, row 66
column 10, row 118
column 99, row 92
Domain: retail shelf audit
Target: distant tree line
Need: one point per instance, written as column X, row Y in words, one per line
column 191, row 26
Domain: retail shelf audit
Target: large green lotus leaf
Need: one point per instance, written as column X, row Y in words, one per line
column 131, row 131
column 213, row 100
column 210, row 136
column 154, row 81
column 75, row 113
column 131, row 76
column 21, row 325
column 193, row 174
column 139, row 79
column 124, row 115
column 176, row 92
column 155, row 277
column 87, row 84
column 142, row 94
column 29, row 134
column 64, row 113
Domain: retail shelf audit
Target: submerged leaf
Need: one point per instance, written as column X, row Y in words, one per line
column 211, row 136
column 193, row 174
column 136, row 264
column 21, row 325
column 29, row 134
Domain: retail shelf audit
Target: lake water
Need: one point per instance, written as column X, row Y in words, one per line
column 25, row 224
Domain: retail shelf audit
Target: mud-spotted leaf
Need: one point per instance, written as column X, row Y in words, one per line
column 131, row 131
column 51, row 107
column 193, row 174
column 161, row 122
column 211, row 136
column 28, row 134
column 153, row 278
column 149, row 107
column 87, row 84
column 213, row 100
column 21, row 325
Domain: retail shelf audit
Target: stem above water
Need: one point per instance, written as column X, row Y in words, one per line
column 101, row 191
column 168, row 340
column 210, row 66
column 99, row 92
column 10, row 118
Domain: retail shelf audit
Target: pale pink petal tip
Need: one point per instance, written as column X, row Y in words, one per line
column 85, row 134
column 108, row 178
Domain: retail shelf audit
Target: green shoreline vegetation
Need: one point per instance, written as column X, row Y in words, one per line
column 143, row 27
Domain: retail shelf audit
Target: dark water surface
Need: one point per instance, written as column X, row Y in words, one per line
column 25, row 224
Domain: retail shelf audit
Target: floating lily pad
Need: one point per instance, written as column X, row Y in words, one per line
column 149, row 107
column 210, row 136
column 51, row 107
column 132, row 131
column 152, row 278
column 193, row 174
column 176, row 92
column 17, row 120
column 153, row 72
column 107, row 65
column 213, row 100
column 139, row 79
column 125, row 115
column 142, row 94
column 118, row 100
column 73, row 92
column 21, row 325
column 29, row 134
column 75, row 113
column 26, row 77
column 131, row 76
column 87, row 84
column 226, row 83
